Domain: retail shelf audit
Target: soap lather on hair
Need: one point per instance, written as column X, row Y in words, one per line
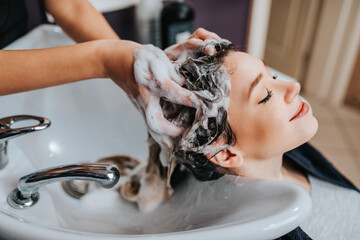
column 162, row 82
column 184, row 102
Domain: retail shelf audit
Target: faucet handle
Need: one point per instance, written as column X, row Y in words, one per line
column 7, row 132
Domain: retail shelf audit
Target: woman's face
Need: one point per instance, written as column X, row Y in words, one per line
column 266, row 114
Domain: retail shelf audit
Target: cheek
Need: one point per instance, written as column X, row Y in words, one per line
column 263, row 134
column 268, row 125
column 270, row 132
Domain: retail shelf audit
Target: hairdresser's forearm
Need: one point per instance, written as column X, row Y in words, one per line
column 80, row 20
column 24, row 70
column 118, row 59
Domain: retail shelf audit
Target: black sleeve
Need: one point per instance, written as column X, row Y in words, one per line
column 13, row 21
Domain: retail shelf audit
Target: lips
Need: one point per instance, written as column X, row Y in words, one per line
column 302, row 110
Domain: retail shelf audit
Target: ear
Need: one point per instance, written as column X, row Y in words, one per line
column 228, row 158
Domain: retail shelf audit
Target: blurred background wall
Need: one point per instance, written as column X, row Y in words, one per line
column 233, row 14
column 314, row 41
column 317, row 42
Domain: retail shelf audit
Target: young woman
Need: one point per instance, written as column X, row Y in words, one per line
column 264, row 136
column 246, row 122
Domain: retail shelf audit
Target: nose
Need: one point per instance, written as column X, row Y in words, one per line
column 292, row 89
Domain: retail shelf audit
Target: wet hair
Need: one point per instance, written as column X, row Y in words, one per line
column 203, row 72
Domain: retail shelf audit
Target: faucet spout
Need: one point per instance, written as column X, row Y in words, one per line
column 26, row 194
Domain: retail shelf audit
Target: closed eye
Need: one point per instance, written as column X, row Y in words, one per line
column 267, row 98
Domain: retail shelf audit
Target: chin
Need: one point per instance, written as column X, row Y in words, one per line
column 308, row 129
column 305, row 131
column 311, row 128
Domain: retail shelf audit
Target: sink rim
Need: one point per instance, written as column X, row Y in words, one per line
column 265, row 227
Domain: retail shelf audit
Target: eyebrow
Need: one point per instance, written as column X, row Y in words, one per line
column 254, row 83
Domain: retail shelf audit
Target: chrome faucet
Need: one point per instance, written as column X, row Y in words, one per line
column 7, row 132
column 26, row 194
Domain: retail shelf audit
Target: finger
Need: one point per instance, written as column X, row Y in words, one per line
column 190, row 44
column 157, row 122
column 158, row 74
column 141, row 73
column 173, row 52
column 210, row 50
column 163, row 84
column 151, row 60
column 162, row 69
column 141, row 66
column 172, row 55
column 172, row 91
column 179, row 95
column 145, row 95
column 204, row 34
column 193, row 43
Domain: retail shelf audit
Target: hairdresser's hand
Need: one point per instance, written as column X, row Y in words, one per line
column 157, row 78
column 146, row 75
column 203, row 34
column 195, row 41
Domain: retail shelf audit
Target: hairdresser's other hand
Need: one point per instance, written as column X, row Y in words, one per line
column 203, row 34
column 194, row 41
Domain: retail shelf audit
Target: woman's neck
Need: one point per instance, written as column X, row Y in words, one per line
column 273, row 168
column 270, row 168
column 293, row 174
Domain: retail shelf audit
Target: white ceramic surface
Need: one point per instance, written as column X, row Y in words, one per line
column 93, row 119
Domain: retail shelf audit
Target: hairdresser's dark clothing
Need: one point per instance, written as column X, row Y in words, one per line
column 13, row 21
column 312, row 162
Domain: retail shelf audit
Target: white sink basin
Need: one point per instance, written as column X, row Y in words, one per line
column 94, row 119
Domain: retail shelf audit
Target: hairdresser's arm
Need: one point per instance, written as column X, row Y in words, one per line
column 80, row 20
column 24, row 70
